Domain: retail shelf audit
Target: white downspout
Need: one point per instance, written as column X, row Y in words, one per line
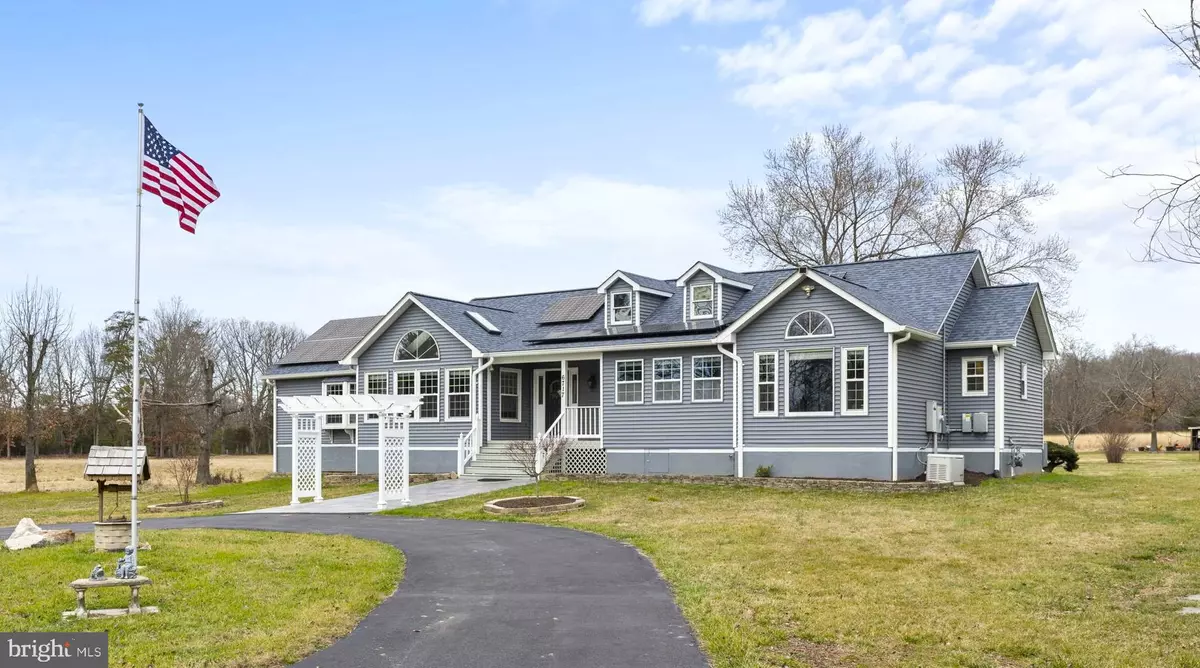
column 893, row 424
column 737, row 404
column 998, row 354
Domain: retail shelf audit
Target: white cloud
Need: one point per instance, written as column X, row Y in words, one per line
column 658, row 12
column 1077, row 85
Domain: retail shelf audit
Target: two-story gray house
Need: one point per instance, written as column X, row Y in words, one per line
column 842, row 371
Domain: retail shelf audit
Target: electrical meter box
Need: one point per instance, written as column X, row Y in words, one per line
column 967, row 423
column 935, row 419
column 979, row 423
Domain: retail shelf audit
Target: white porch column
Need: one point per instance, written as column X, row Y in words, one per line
column 382, row 502
column 404, row 500
column 295, row 447
column 318, row 498
column 564, row 386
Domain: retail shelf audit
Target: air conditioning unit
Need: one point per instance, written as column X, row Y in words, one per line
column 945, row 469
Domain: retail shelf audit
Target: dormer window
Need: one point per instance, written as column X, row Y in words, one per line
column 622, row 308
column 702, row 301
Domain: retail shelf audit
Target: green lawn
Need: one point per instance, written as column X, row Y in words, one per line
column 1062, row 569
column 228, row 598
column 59, row 507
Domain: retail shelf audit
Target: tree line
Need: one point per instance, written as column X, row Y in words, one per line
column 1138, row 386
column 62, row 389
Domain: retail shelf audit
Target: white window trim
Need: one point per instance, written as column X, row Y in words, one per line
column 396, row 351
column 654, row 381
column 965, row 363
column 612, row 296
column 417, row 390
column 501, row 394
column 866, row 381
column 787, row 385
column 447, row 394
column 1024, row 380
column 774, row 355
column 720, row 386
column 788, row 328
column 712, row 300
column 618, row 383
column 367, row 384
column 346, row 422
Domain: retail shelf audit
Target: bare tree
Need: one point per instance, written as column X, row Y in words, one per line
column 247, row 350
column 983, row 203
column 35, row 323
column 68, row 389
column 829, row 199
column 182, row 470
column 1171, row 208
column 1074, row 397
column 8, row 393
column 1148, row 384
column 98, row 375
column 177, row 340
column 533, row 456
column 215, row 411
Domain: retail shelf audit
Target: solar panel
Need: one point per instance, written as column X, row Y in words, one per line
column 572, row 309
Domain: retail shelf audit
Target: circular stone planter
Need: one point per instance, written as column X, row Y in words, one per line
column 179, row 506
column 533, row 505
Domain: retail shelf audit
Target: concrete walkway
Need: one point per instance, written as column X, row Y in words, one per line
column 482, row 594
column 430, row 492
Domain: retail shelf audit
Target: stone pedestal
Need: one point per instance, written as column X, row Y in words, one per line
column 113, row 536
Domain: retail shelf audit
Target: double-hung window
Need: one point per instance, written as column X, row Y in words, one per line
column 458, row 394
column 809, row 382
column 974, row 377
column 510, row 395
column 706, row 378
column 702, row 301
column 622, row 308
column 854, row 381
column 427, row 391
column 629, row 382
column 334, row 390
column 668, row 380
column 765, row 383
column 376, row 383
column 406, row 383
column 1024, row 380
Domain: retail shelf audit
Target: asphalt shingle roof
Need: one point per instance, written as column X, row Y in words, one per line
column 331, row 341
column 993, row 314
column 652, row 283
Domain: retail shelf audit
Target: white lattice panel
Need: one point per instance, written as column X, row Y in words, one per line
column 585, row 461
column 304, row 478
column 395, row 469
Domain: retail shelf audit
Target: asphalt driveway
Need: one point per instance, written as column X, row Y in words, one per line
column 484, row 594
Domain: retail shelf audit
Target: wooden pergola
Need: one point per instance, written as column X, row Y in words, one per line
column 394, row 411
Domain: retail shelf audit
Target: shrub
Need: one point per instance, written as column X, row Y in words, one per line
column 762, row 472
column 1060, row 455
column 1114, row 445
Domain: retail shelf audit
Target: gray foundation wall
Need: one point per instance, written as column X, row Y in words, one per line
column 855, row 465
column 670, row 463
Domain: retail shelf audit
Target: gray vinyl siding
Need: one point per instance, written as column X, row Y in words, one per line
column 1023, row 422
column 647, row 305
column 729, row 296
column 919, row 372
column 302, row 387
column 453, row 354
column 852, row 328
column 957, row 404
column 676, row 425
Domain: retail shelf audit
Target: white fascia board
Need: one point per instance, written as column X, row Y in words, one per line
column 717, row 278
column 763, row 304
column 311, row 374
column 989, row 343
column 889, row 325
column 396, row 311
column 617, row 275
column 1041, row 320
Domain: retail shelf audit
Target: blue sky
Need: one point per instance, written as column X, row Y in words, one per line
column 473, row 148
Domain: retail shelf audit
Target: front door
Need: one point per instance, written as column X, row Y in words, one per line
column 547, row 399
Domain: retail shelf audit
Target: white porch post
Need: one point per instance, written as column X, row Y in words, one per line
column 404, row 500
column 564, row 387
column 382, row 502
column 295, row 447
column 318, row 498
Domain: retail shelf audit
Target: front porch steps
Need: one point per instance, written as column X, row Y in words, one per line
column 493, row 461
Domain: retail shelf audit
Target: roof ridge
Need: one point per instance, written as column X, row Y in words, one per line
column 455, row 301
column 895, row 259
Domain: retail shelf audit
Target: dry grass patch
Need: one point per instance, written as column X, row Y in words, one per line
column 228, row 598
column 1060, row 569
column 1093, row 442
column 61, row 474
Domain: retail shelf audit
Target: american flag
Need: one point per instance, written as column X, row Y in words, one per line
column 181, row 182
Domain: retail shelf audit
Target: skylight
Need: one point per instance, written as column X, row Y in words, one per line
column 483, row 322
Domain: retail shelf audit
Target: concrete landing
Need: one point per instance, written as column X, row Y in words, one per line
column 430, row 492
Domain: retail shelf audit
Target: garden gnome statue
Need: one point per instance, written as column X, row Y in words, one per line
column 97, row 573
column 125, row 567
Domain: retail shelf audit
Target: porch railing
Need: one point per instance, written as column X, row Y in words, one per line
column 580, row 422
column 468, row 449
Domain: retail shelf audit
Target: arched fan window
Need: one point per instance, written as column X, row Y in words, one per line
column 417, row 344
column 809, row 324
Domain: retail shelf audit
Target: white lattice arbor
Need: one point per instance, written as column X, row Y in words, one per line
column 307, row 412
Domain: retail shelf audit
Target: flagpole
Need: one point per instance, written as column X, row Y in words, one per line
column 136, row 420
